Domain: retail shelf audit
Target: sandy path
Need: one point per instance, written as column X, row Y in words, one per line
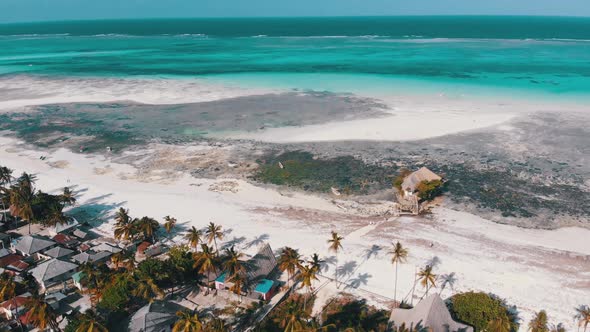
column 534, row 269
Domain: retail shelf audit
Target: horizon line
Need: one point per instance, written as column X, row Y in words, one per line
column 287, row 17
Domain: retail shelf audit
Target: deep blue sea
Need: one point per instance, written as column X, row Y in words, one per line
column 548, row 56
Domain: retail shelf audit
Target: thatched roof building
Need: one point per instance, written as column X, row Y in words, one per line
column 412, row 181
column 431, row 313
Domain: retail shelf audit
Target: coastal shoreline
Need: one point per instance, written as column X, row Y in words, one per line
column 486, row 256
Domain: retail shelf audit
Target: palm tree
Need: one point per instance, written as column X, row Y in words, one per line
column 238, row 282
column 67, row 197
column 90, row 322
column 315, row 262
column 41, row 315
column 583, row 316
column 289, row 261
column 125, row 231
column 21, row 198
column 5, row 179
column 7, row 286
column 194, row 237
column 448, row 279
column 539, row 322
column 216, row 324
column 213, row 234
column 293, row 318
column 427, row 278
column 8, row 291
column 95, row 280
column 124, row 227
column 55, row 215
column 307, row 276
column 122, row 216
column 169, row 224
column 5, row 175
column 146, row 288
column 187, row 322
column 233, row 263
column 148, row 226
column 335, row 243
column 206, row 261
column 500, row 324
column 399, row 254
column 26, row 180
column 123, row 259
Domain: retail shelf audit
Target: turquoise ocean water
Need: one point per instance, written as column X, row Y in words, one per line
column 548, row 56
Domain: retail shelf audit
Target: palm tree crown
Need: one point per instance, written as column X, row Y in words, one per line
column 148, row 226
column 290, row 261
column 427, row 278
column 206, row 261
column 188, row 322
column 90, row 322
column 583, row 316
column 41, row 315
column 214, row 233
column 335, row 242
column 5, row 175
column 539, row 322
column 67, row 197
column 169, row 224
column 233, row 263
column 194, row 237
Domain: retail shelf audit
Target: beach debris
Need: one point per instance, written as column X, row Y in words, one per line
column 335, row 191
column 281, row 165
column 231, row 186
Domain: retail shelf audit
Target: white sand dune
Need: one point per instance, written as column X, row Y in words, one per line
column 534, row 269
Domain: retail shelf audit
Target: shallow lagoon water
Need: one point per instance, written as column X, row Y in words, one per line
column 461, row 55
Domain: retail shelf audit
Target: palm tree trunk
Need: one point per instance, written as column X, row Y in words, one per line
column 4, row 211
column 16, row 313
column 216, row 250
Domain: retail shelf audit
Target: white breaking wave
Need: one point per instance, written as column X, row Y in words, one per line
column 26, row 90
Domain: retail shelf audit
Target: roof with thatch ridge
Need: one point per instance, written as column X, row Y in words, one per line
column 262, row 264
column 431, row 313
column 415, row 178
column 154, row 317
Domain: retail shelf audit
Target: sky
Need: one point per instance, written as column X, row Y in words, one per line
column 44, row 10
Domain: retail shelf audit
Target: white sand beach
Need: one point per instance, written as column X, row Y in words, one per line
column 533, row 269
column 399, row 126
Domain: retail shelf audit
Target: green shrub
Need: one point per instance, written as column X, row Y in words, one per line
column 479, row 309
column 427, row 190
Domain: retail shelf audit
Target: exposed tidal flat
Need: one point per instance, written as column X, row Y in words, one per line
column 531, row 171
